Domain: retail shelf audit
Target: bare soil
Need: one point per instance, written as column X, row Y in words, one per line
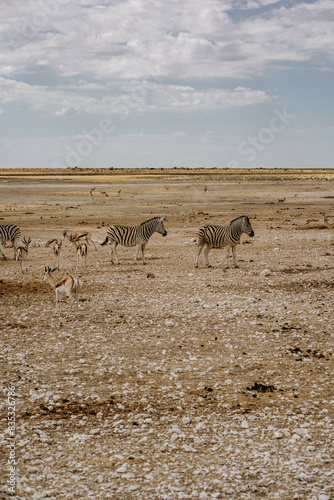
column 168, row 381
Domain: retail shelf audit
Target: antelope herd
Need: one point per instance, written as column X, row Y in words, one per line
column 10, row 236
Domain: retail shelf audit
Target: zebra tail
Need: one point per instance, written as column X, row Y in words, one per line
column 105, row 241
column 201, row 237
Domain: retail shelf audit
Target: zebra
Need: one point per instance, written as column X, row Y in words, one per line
column 133, row 236
column 12, row 233
column 211, row 236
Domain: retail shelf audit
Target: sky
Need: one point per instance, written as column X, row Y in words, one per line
column 158, row 84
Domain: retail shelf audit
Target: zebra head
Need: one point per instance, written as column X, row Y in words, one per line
column 246, row 226
column 160, row 228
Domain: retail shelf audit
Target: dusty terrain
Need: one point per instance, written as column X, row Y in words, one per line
column 166, row 381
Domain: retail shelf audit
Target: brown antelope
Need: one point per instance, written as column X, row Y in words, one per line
column 56, row 247
column 81, row 251
column 68, row 285
column 22, row 252
column 86, row 236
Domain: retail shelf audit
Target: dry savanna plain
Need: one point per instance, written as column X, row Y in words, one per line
column 167, row 381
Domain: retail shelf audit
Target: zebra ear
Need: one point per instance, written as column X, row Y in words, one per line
column 161, row 219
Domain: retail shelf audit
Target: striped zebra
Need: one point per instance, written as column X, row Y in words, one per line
column 12, row 233
column 211, row 236
column 133, row 236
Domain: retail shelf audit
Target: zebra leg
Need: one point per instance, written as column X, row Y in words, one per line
column 15, row 245
column 3, row 255
column 199, row 250
column 234, row 254
column 143, row 254
column 227, row 256
column 112, row 252
column 207, row 249
column 115, row 253
column 136, row 254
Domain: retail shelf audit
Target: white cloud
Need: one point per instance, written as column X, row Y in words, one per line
column 126, row 98
column 131, row 57
column 145, row 40
column 252, row 4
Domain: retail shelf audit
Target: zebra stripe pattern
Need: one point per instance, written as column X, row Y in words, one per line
column 211, row 236
column 12, row 233
column 133, row 236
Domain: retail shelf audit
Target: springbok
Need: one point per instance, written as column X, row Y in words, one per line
column 81, row 251
column 22, row 252
column 85, row 236
column 56, row 247
column 68, row 285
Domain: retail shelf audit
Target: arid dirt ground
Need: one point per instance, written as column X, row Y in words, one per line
column 166, row 381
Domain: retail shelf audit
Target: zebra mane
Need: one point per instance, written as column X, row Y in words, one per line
column 241, row 216
column 149, row 220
